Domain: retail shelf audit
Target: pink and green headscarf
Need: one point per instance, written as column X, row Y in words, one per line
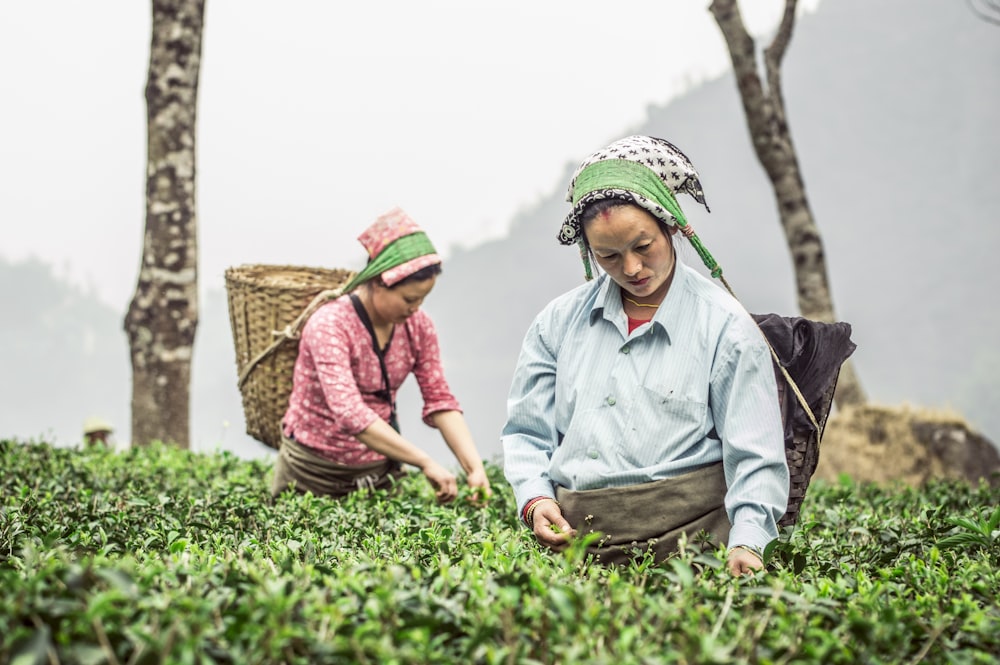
column 396, row 248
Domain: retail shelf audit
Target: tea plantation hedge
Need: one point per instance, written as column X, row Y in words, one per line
column 160, row 555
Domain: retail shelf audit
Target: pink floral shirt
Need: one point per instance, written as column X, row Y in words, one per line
column 337, row 373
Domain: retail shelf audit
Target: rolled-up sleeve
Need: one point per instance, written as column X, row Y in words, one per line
column 529, row 436
column 428, row 370
column 748, row 421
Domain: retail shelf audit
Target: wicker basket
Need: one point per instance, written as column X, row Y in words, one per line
column 267, row 307
column 802, row 450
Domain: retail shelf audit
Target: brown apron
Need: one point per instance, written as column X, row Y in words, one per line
column 305, row 471
column 650, row 515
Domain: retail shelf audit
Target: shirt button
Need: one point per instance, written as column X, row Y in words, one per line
column 625, row 350
column 611, row 401
column 593, row 454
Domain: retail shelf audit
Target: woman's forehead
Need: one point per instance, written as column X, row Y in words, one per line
column 627, row 227
column 415, row 289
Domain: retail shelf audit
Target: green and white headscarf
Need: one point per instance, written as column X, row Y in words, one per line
column 643, row 170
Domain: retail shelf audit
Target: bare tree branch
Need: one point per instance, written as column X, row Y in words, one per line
column 990, row 12
column 773, row 57
column 772, row 141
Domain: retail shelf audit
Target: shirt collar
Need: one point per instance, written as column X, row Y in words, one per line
column 669, row 310
column 608, row 303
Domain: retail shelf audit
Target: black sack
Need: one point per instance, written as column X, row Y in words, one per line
column 812, row 353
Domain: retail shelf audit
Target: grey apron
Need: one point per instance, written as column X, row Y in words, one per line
column 650, row 515
column 299, row 467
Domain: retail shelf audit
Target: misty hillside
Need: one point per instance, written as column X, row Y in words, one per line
column 64, row 356
column 893, row 109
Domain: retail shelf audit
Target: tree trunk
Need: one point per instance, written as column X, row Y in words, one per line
column 772, row 141
column 163, row 314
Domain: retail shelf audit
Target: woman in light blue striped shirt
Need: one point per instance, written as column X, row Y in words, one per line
column 644, row 404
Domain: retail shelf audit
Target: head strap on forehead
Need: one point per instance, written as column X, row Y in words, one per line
column 398, row 252
column 631, row 177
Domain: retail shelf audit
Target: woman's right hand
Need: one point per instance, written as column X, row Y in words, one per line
column 443, row 481
column 550, row 527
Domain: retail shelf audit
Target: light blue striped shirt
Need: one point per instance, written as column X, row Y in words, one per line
column 592, row 406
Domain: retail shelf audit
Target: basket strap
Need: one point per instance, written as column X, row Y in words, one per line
column 291, row 332
column 788, row 377
column 362, row 313
column 716, row 270
column 794, row 386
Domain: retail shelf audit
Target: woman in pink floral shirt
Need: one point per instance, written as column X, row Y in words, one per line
column 340, row 431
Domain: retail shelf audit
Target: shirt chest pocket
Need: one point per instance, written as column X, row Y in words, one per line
column 674, row 408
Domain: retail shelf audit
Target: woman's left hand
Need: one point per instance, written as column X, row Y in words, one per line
column 479, row 481
column 741, row 561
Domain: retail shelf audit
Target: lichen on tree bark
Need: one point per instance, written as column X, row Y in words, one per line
column 163, row 314
column 772, row 141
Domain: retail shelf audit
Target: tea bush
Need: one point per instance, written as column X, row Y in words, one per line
column 162, row 555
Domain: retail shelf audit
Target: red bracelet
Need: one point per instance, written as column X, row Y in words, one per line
column 529, row 508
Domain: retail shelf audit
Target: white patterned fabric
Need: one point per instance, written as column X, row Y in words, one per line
column 662, row 157
column 338, row 377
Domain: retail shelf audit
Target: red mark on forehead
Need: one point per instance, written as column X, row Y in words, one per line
column 604, row 214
